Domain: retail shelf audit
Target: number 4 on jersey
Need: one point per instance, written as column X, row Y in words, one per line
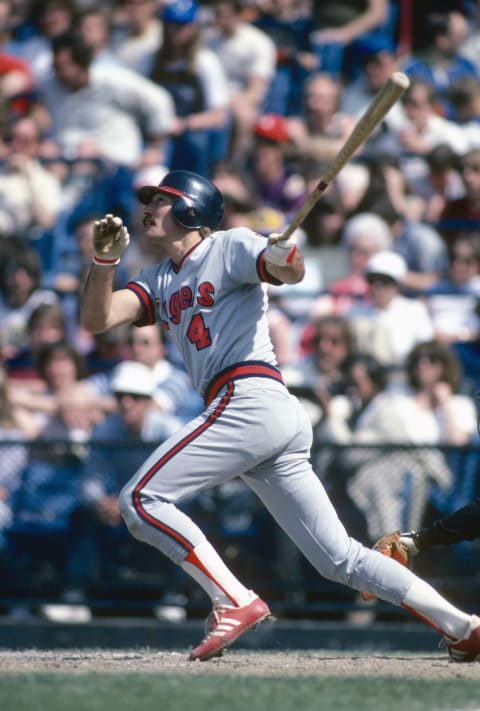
column 198, row 333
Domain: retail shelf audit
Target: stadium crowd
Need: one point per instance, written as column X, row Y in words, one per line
column 382, row 338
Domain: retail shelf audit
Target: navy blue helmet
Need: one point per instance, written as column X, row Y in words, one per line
column 199, row 203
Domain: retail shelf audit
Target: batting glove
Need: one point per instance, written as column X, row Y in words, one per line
column 110, row 240
column 280, row 252
column 408, row 540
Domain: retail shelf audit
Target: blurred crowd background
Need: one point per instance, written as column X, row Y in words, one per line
column 381, row 340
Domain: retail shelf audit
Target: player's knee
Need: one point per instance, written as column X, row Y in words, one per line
column 129, row 513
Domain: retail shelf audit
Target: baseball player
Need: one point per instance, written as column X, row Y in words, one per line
column 210, row 295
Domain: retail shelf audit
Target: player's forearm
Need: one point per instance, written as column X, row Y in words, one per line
column 96, row 299
column 291, row 273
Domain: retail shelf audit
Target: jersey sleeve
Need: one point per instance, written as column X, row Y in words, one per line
column 143, row 287
column 244, row 255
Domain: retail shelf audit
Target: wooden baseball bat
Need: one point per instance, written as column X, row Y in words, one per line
column 378, row 108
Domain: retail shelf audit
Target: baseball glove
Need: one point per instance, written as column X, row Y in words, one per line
column 394, row 545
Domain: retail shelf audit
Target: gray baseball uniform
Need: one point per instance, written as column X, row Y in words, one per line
column 214, row 305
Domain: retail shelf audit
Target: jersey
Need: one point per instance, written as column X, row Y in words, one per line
column 214, row 303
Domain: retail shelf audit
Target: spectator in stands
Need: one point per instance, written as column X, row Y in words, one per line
column 388, row 487
column 16, row 79
column 339, row 25
column 289, row 24
column 100, row 535
column 275, row 180
column 453, row 301
column 363, row 235
column 194, row 77
column 248, row 57
column 377, row 61
column 441, row 62
column 46, row 324
column 15, row 426
column 125, row 116
column 441, row 183
column 423, row 129
column 464, row 96
column 419, row 243
column 139, row 35
column 390, row 324
column 463, row 213
column 20, row 293
column 93, row 24
column 320, row 128
column 316, row 376
column 172, row 392
column 30, row 195
column 50, row 18
column 434, row 409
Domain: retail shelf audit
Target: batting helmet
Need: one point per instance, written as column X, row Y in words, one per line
column 199, row 203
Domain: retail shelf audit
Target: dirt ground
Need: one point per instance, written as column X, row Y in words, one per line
column 394, row 664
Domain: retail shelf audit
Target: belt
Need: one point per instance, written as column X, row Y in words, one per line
column 252, row 369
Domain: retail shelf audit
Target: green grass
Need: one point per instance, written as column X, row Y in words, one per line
column 208, row 692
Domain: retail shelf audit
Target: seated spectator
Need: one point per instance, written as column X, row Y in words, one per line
column 248, row 56
column 46, row 324
column 30, row 195
column 196, row 80
column 49, row 18
column 138, row 33
column 82, row 100
column 289, row 25
column 463, row 213
column 423, row 130
column 101, row 541
column 60, row 367
column 384, row 487
column 378, row 59
column 441, row 63
column 340, row 25
column 172, row 392
column 320, row 129
column 440, row 184
column 94, row 25
column 464, row 96
column 419, row 243
column 316, row 376
column 15, row 426
column 273, row 178
column 390, row 324
column 363, row 235
column 453, row 303
column 20, row 293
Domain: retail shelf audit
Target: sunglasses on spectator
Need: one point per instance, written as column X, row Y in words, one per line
column 431, row 358
column 135, row 396
column 463, row 259
column 381, row 279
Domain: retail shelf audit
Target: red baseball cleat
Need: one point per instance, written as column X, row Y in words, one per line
column 468, row 648
column 226, row 624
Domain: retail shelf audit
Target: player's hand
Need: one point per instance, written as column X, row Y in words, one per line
column 110, row 240
column 280, row 252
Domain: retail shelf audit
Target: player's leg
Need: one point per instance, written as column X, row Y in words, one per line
column 298, row 501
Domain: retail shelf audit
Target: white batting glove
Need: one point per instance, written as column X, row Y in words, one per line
column 280, row 252
column 408, row 540
column 110, row 240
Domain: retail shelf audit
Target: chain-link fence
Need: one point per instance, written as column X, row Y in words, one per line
column 62, row 538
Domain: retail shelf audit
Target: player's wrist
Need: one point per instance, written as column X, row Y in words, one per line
column 103, row 262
